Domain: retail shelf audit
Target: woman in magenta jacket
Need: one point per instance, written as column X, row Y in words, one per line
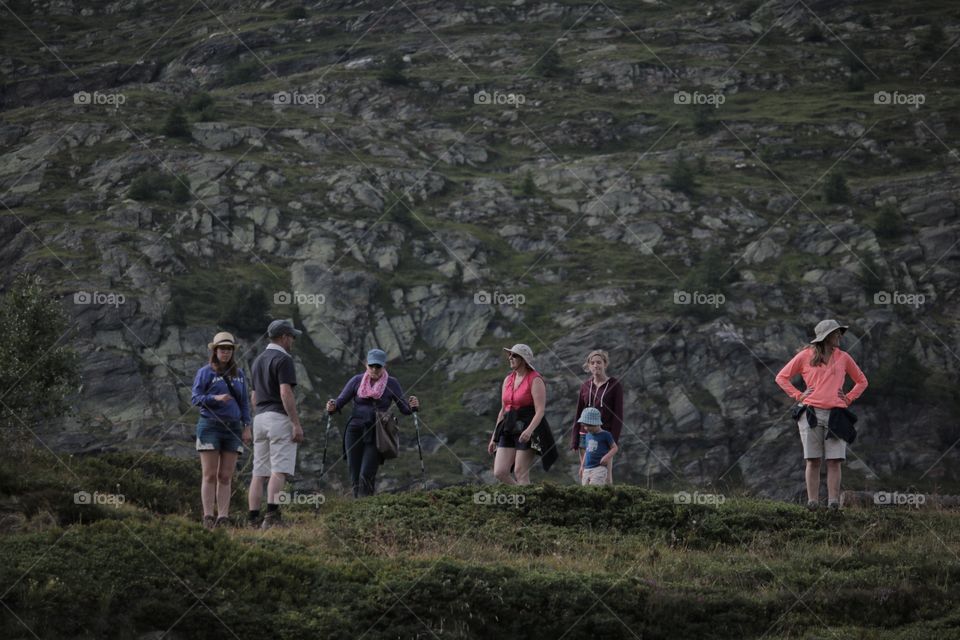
column 602, row 392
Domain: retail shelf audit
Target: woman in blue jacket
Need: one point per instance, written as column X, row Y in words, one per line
column 371, row 391
column 220, row 390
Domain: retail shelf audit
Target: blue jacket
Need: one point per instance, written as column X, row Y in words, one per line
column 207, row 384
column 364, row 409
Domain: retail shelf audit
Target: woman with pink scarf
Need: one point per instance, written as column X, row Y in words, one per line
column 371, row 391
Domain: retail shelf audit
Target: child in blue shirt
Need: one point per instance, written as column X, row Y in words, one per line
column 600, row 449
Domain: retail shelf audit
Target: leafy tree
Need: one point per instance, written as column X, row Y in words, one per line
column 40, row 370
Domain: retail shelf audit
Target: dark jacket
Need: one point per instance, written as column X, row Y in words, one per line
column 841, row 424
column 542, row 441
column 610, row 403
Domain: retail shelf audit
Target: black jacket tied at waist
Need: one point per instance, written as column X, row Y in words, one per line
column 839, row 425
column 541, row 442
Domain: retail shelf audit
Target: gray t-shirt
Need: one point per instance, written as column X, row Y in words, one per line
column 272, row 368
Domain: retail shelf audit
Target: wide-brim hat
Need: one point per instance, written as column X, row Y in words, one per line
column 524, row 352
column 222, row 338
column 591, row 416
column 825, row 328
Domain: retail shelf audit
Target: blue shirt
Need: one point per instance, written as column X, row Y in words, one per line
column 598, row 445
column 208, row 383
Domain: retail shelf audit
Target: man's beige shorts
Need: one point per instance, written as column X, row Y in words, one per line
column 274, row 450
column 815, row 443
column 595, row 476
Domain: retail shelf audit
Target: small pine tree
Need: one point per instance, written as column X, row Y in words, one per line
column 392, row 70
column 889, row 225
column 246, row 310
column 180, row 193
column 682, row 177
column 835, row 189
column 528, row 189
column 296, row 13
column 176, row 125
column 549, row 64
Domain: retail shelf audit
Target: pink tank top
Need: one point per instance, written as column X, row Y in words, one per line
column 522, row 396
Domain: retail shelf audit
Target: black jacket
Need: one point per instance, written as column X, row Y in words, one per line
column 841, row 424
column 542, row 441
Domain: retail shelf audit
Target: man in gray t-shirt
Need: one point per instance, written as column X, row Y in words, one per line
column 276, row 425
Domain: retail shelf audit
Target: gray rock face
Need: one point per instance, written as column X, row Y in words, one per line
column 387, row 214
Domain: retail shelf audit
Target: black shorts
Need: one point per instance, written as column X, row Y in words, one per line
column 512, row 442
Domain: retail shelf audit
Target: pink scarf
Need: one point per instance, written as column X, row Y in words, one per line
column 375, row 390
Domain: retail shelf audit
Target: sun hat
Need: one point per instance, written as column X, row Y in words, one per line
column 279, row 328
column 222, row 338
column 591, row 416
column 524, row 352
column 825, row 328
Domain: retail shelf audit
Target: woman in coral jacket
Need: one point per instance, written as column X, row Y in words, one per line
column 823, row 367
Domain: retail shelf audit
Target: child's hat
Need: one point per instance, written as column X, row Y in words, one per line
column 590, row 416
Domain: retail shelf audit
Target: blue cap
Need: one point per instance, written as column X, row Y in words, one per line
column 376, row 356
column 279, row 328
column 590, row 416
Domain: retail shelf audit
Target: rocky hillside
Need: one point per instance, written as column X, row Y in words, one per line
column 689, row 185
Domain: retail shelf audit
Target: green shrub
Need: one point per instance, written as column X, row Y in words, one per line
column 392, row 71
column 40, row 370
column 889, row 223
column 856, row 81
column 160, row 187
column 242, row 73
column 200, row 101
column 247, row 310
column 296, row 13
column 549, row 64
column 682, row 177
column 176, row 125
column 835, row 190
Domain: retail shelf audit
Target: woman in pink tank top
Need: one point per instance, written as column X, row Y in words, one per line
column 523, row 401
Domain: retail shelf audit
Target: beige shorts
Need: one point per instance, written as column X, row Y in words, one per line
column 815, row 443
column 274, row 450
column 595, row 476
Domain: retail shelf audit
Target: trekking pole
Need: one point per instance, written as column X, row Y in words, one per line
column 326, row 439
column 423, row 472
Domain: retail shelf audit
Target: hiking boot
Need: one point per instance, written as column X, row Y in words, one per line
column 223, row 522
column 812, row 505
column 208, row 522
column 271, row 519
column 254, row 522
column 834, row 505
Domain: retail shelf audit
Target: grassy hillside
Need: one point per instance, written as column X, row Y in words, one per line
column 539, row 562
